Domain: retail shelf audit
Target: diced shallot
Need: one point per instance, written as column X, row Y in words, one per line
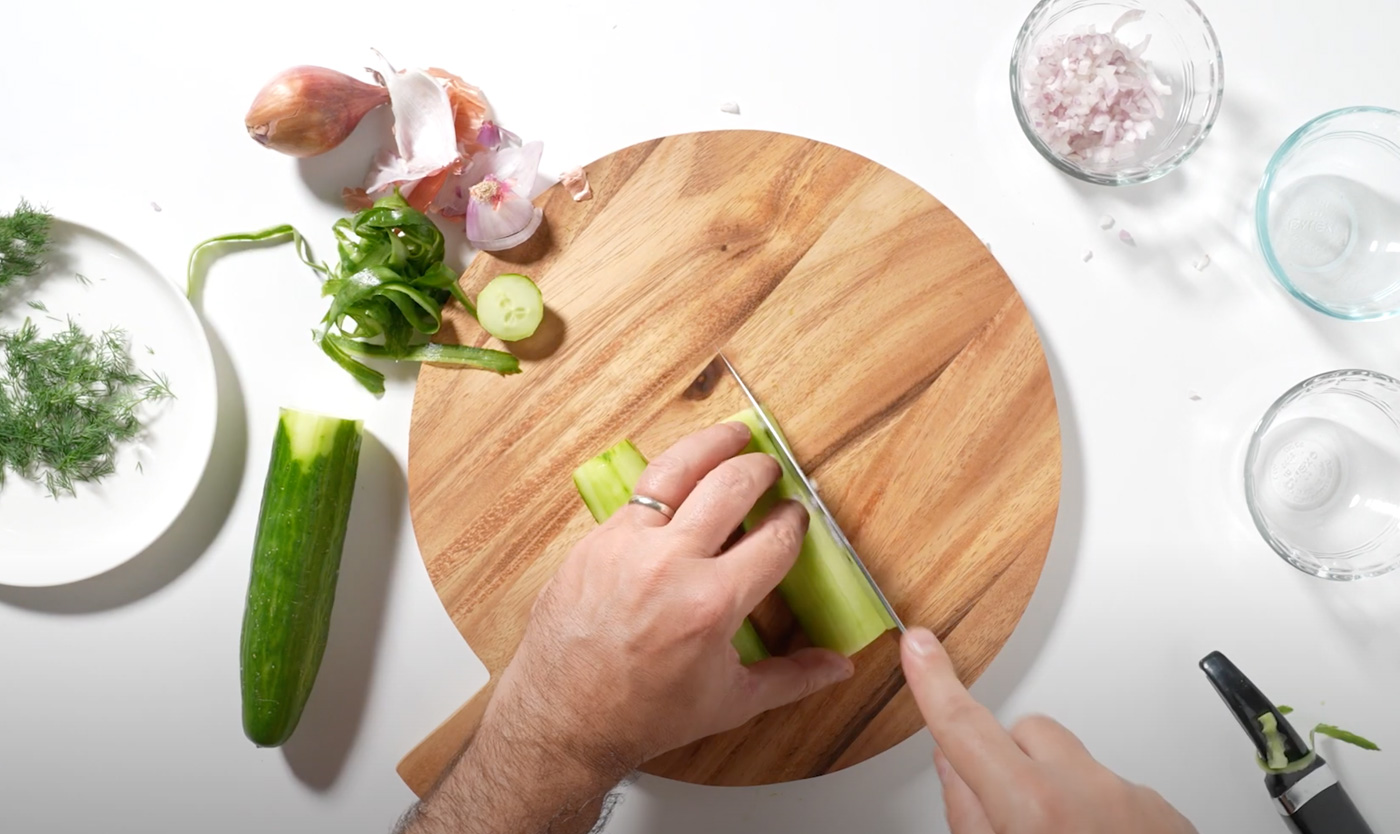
column 1090, row 97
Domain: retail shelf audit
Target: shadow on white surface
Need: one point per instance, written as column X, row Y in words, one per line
column 345, row 165
column 1170, row 231
column 322, row 743
column 186, row 540
column 855, row 799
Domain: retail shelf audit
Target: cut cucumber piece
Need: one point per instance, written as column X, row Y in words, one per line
column 510, row 307
column 749, row 645
column 296, row 559
column 828, row 594
column 605, row 484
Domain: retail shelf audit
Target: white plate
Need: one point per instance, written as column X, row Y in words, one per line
column 47, row 541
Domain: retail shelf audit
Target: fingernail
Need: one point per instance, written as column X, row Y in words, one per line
column 842, row 668
column 921, row 641
column 739, row 429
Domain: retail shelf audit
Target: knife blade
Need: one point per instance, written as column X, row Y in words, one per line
column 788, row 461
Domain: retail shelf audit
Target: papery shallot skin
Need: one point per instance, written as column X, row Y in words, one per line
column 425, row 140
column 576, row 182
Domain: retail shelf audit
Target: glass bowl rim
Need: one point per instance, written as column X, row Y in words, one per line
column 1261, row 209
column 1252, row 453
column 1160, row 170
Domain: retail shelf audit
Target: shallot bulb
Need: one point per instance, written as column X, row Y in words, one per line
column 493, row 191
column 498, row 216
column 306, row 111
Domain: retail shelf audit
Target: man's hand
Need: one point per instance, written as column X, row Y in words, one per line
column 627, row 653
column 1036, row 779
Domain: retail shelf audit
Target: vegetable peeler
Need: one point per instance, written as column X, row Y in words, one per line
column 1310, row 799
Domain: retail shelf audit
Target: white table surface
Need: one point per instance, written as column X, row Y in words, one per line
column 119, row 705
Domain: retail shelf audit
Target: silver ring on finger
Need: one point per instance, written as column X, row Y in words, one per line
column 652, row 504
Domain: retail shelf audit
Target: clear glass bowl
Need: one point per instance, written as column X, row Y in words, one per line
column 1183, row 52
column 1328, row 213
column 1322, row 475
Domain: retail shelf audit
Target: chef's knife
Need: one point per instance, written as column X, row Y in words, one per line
column 1310, row 800
column 808, row 490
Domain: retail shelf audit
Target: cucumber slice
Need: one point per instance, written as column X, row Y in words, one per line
column 510, row 307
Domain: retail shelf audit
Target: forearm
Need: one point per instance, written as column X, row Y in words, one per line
column 503, row 783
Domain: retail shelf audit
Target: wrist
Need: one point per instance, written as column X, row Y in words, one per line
column 515, row 775
column 570, row 735
column 540, row 747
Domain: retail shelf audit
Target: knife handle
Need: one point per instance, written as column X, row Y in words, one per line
column 1319, row 805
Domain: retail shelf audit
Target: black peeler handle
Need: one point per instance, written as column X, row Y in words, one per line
column 1330, row 811
column 1311, row 800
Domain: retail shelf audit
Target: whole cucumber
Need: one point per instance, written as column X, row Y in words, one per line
column 296, row 561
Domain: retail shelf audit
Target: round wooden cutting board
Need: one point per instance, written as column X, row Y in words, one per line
column 877, row 328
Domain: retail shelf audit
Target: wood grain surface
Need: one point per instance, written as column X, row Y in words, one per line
column 877, row 328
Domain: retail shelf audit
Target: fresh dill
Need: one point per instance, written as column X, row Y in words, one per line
column 66, row 402
column 157, row 386
column 24, row 242
column 69, row 399
column 83, row 279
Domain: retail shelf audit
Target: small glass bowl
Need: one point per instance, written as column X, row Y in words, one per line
column 1183, row 52
column 1328, row 213
column 1322, row 475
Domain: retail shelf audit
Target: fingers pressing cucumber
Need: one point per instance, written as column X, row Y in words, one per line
column 510, row 307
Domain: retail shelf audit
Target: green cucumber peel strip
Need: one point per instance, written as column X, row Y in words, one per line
column 1346, row 736
column 344, row 350
column 389, row 285
column 484, row 359
column 1277, row 762
column 194, row 281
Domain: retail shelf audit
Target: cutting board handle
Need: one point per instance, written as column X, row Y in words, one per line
column 426, row 763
